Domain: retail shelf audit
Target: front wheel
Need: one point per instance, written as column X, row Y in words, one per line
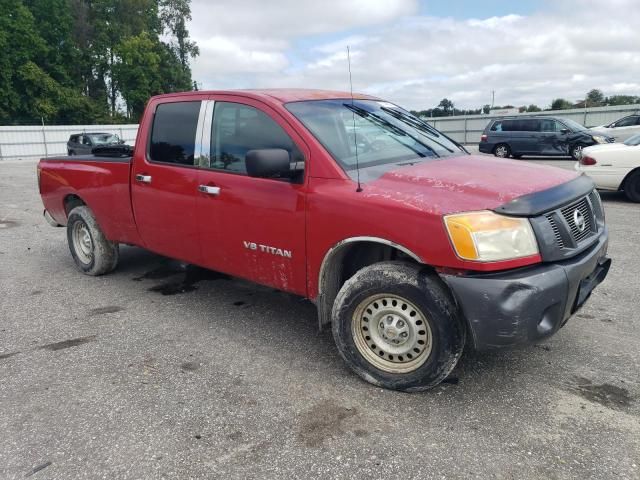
column 576, row 152
column 90, row 249
column 396, row 326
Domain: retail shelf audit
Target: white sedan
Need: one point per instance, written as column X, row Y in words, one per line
column 614, row 166
column 621, row 129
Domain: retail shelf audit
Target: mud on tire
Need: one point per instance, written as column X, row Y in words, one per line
column 439, row 326
column 92, row 253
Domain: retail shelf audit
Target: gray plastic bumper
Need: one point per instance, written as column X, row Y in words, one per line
column 531, row 303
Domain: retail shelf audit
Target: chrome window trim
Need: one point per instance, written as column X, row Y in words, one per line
column 202, row 150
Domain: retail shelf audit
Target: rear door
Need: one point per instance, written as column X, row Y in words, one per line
column 517, row 138
column 251, row 227
column 165, row 181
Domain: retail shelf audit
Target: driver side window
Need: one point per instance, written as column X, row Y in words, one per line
column 238, row 128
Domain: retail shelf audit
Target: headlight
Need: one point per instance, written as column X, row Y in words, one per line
column 488, row 237
column 599, row 139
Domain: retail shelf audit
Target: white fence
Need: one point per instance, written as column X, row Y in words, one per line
column 468, row 128
column 23, row 142
column 38, row 141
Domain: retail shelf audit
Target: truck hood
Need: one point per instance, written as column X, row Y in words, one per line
column 466, row 183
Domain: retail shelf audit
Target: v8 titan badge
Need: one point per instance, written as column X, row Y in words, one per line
column 267, row 249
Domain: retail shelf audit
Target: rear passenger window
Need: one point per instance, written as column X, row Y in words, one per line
column 496, row 127
column 529, row 125
column 509, row 126
column 238, row 128
column 173, row 135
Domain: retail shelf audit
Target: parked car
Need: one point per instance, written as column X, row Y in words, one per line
column 546, row 136
column 83, row 143
column 621, row 129
column 614, row 167
column 410, row 248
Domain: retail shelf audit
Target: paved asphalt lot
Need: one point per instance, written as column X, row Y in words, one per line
column 109, row 378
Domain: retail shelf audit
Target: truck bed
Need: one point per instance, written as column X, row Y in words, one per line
column 101, row 182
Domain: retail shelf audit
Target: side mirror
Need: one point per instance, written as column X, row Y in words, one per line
column 268, row 163
column 564, row 131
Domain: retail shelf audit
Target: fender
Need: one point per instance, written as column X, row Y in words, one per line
column 328, row 287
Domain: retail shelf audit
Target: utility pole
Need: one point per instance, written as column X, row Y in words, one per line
column 493, row 97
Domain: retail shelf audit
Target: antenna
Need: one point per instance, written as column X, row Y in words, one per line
column 353, row 112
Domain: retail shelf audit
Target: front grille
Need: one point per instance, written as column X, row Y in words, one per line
column 571, row 214
column 556, row 230
column 560, row 237
column 611, row 140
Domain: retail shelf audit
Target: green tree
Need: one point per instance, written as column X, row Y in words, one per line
column 446, row 105
column 137, row 72
column 622, row 100
column 594, row 98
column 533, row 108
column 174, row 15
column 561, row 104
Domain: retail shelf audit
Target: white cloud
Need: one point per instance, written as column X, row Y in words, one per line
column 563, row 51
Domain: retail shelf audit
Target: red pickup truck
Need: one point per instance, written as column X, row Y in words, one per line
column 409, row 246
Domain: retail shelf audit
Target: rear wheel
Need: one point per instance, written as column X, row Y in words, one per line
column 90, row 249
column 632, row 186
column 502, row 150
column 396, row 326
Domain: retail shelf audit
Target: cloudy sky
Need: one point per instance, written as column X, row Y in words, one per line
column 416, row 52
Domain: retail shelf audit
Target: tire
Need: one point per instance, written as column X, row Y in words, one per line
column 71, row 153
column 576, row 152
column 632, row 186
column 91, row 251
column 376, row 305
column 502, row 150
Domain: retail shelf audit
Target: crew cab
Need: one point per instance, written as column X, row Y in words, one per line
column 409, row 246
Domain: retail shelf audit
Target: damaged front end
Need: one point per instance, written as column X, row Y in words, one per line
column 532, row 303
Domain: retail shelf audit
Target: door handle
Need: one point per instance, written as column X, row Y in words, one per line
column 143, row 178
column 209, row 190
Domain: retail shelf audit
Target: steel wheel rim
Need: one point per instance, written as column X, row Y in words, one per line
column 82, row 242
column 501, row 152
column 391, row 333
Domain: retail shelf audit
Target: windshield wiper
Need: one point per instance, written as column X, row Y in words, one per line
column 417, row 124
column 378, row 120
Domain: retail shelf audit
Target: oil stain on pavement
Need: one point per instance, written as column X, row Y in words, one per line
column 8, row 355
column 74, row 342
column 323, row 422
column 610, row 396
column 104, row 310
column 190, row 274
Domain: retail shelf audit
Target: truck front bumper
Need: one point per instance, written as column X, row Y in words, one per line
column 528, row 304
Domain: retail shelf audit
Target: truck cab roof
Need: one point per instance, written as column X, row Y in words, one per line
column 280, row 95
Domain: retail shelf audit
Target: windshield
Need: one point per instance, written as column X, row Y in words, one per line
column 633, row 141
column 104, row 138
column 573, row 125
column 381, row 133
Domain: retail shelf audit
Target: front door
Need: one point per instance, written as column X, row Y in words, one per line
column 553, row 141
column 165, row 183
column 251, row 227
